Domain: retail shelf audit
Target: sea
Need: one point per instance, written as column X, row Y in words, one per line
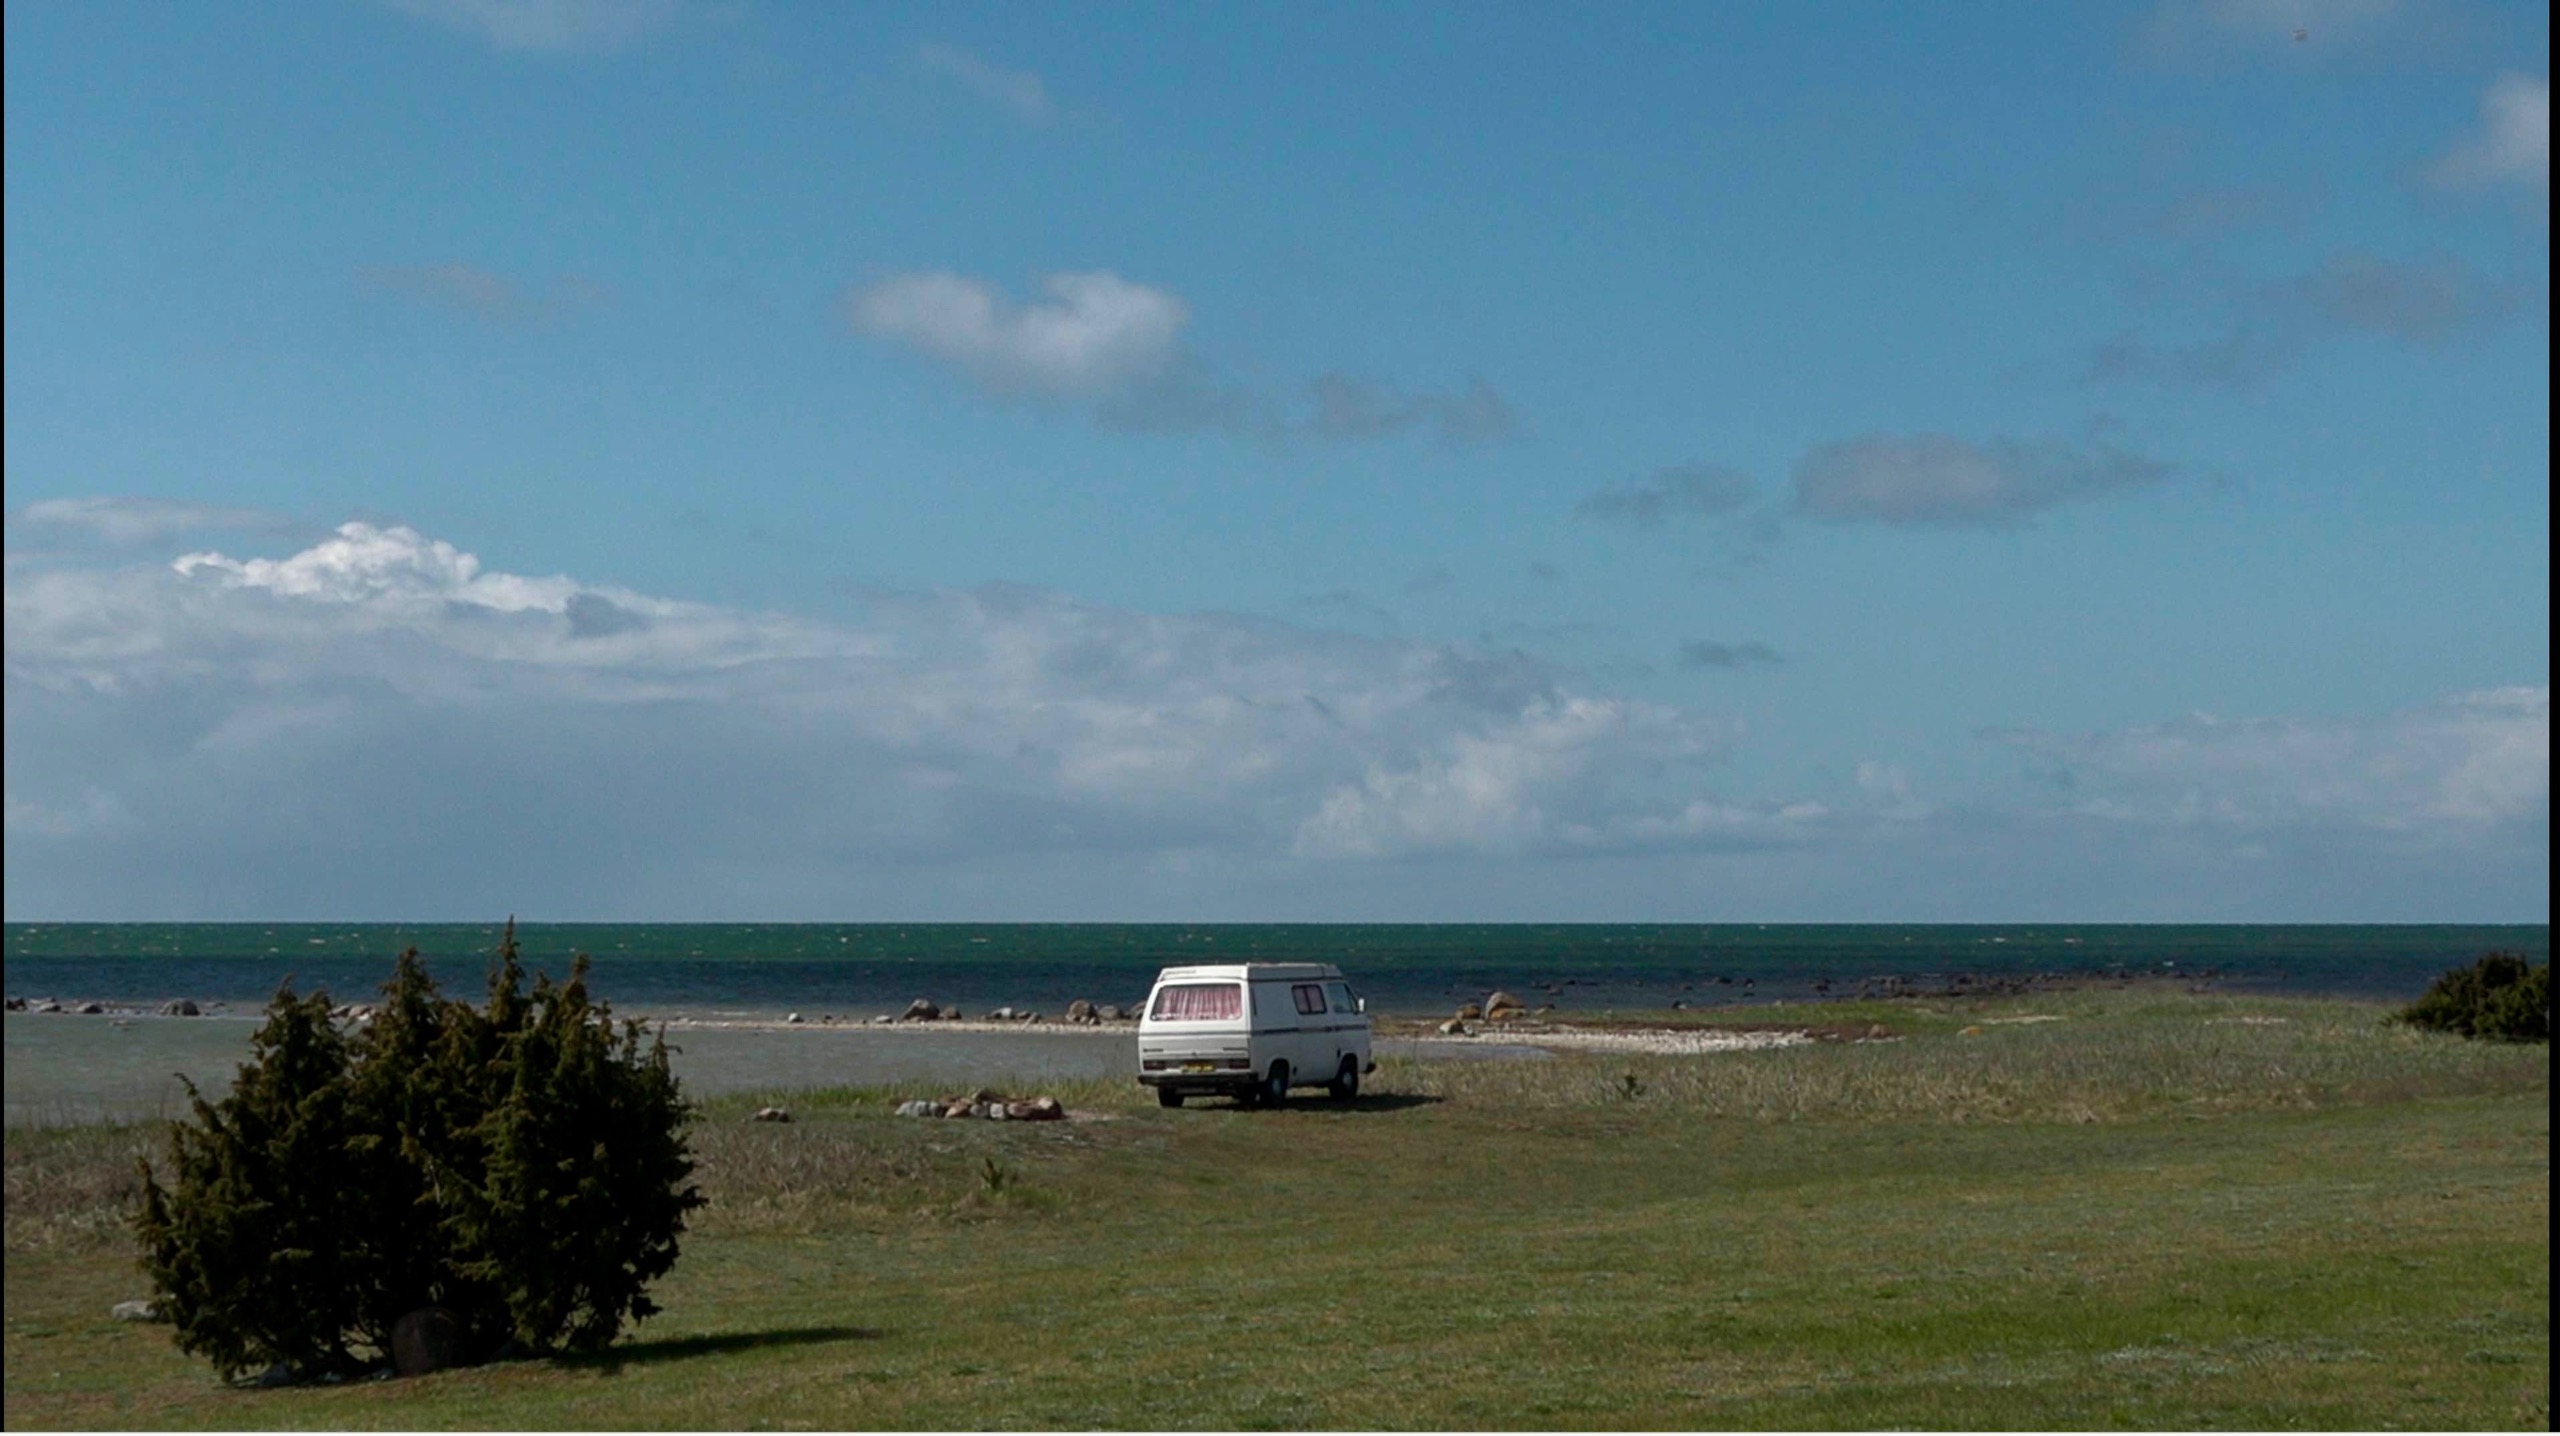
column 66, row 1068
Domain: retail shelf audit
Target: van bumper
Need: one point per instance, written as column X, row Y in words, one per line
column 1202, row 1081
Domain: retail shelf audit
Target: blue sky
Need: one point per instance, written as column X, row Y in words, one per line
column 674, row 460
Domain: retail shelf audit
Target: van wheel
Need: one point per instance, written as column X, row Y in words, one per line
column 1346, row 1083
column 1275, row 1088
column 1168, row 1097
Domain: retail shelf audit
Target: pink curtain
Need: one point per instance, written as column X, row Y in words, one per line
column 1199, row 1002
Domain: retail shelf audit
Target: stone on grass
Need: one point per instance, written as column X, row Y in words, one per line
column 773, row 1114
column 276, row 1375
column 145, row 1310
column 428, row 1339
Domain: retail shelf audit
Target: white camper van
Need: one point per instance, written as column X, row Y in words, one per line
column 1253, row 1030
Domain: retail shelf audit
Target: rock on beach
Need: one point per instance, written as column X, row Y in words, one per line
column 428, row 1339
column 987, row 1105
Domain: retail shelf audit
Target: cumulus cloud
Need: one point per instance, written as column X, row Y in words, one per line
column 1117, row 345
column 382, row 720
column 394, row 567
column 1349, row 408
column 1707, row 653
column 548, row 26
column 1019, row 93
column 1093, row 334
column 1683, row 491
column 2475, row 761
column 1933, row 480
column 131, row 519
column 2435, row 303
column 2513, row 144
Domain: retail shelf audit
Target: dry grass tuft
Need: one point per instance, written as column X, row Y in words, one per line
column 70, row 1187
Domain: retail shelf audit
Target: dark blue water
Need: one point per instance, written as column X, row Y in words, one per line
column 1415, row 968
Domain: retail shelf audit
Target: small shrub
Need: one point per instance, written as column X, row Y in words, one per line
column 522, row 1165
column 2502, row 996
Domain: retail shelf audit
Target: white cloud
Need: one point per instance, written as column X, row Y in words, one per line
column 1559, row 776
column 387, row 708
column 548, row 26
column 1094, row 334
column 1019, row 93
column 2513, row 145
column 1933, row 480
column 128, row 520
column 2473, row 761
column 1097, row 339
column 381, row 724
column 393, row 566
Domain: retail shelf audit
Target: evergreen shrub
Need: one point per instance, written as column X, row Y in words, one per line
column 2502, row 996
column 521, row 1165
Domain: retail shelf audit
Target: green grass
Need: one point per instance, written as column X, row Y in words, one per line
column 2150, row 1213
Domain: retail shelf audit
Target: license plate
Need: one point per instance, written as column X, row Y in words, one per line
column 1199, row 1066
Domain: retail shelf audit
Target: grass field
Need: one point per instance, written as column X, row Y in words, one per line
column 2143, row 1209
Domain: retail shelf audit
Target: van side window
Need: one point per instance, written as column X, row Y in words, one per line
column 1199, row 1002
column 1309, row 997
column 1340, row 992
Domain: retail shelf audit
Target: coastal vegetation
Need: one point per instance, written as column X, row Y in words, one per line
column 2503, row 996
column 2141, row 1207
column 439, row 1183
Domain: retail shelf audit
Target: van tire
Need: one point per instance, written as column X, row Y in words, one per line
column 1275, row 1088
column 1168, row 1097
column 1346, row 1083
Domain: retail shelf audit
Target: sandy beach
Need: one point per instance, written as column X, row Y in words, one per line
column 120, row 1062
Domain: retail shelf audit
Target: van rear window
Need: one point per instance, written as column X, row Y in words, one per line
column 1199, row 1002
